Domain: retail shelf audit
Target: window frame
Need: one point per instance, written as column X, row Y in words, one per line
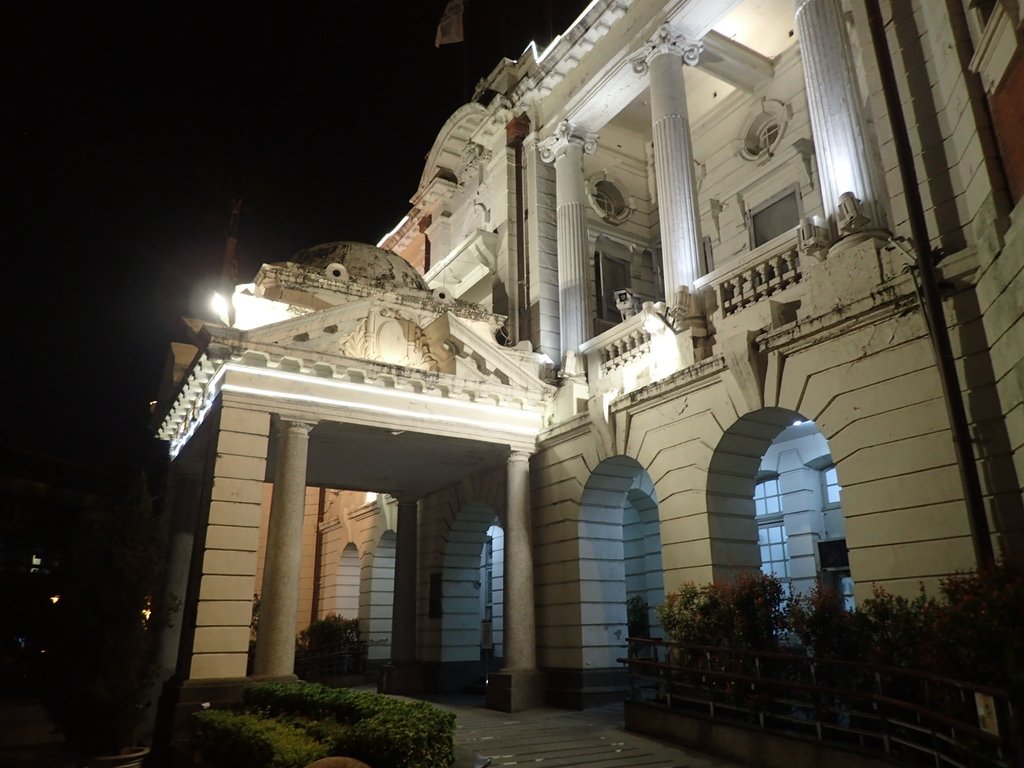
column 752, row 212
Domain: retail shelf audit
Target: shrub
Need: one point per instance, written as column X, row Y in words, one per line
column 248, row 740
column 381, row 730
column 746, row 613
column 637, row 619
column 895, row 631
column 823, row 625
column 757, row 609
column 328, row 633
column 979, row 633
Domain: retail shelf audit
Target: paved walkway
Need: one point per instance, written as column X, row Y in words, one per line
column 553, row 738
column 28, row 738
column 592, row 738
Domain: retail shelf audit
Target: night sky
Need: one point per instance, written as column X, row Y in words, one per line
column 129, row 128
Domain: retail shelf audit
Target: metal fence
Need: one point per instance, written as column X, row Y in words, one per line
column 910, row 717
column 330, row 662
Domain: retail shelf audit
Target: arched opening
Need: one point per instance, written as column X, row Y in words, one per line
column 773, row 483
column 377, row 598
column 346, row 602
column 471, row 604
column 620, row 557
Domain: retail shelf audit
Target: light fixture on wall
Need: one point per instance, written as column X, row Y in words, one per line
column 811, row 236
column 849, row 216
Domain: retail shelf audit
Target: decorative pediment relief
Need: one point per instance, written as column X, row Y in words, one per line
column 468, row 350
column 387, row 337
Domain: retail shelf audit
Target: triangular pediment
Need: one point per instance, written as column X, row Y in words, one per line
column 318, row 331
column 410, row 336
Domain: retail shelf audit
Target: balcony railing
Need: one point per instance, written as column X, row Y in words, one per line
column 910, row 717
column 764, row 272
column 624, row 343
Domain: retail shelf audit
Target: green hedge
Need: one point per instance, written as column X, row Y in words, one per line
column 284, row 723
column 244, row 739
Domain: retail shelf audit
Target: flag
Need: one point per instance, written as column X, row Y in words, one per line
column 449, row 29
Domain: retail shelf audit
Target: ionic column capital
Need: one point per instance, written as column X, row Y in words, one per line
column 667, row 41
column 567, row 134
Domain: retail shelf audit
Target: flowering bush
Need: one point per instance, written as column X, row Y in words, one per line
column 979, row 632
column 746, row 613
column 823, row 625
column 973, row 629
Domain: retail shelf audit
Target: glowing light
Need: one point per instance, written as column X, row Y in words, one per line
column 221, row 308
column 54, row 599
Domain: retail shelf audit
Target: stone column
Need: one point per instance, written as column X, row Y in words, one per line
column 566, row 149
column 275, row 641
column 520, row 634
column 519, row 684
column 403, row 610
column 837, row 120
column 678, row 212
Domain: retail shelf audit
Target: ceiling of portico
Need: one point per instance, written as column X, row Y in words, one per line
column 767, row 27
column 402, row 463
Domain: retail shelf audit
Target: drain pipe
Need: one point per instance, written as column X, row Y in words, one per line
column 931, row 299
column 516, row 131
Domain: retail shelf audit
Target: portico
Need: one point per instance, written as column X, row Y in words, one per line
column 434, row 402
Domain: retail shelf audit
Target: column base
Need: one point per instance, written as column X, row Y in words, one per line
column 515, row 690
column 402, row 679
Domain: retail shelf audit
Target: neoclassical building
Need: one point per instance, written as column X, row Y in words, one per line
column 703, row 286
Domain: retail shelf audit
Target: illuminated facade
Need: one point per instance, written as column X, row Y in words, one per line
column 661, row 325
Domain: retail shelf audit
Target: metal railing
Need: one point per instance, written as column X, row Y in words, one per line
column 911, row 717
column 334, row 661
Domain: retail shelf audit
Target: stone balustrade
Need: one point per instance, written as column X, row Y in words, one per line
column 764, row 272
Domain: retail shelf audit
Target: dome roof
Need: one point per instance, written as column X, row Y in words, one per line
column 361, row 263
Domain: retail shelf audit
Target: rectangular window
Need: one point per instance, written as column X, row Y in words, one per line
column 774, row 559
column 832, row 487
column 767, row 500
column 775, row 216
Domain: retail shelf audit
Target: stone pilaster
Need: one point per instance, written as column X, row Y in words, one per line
column 275, row 642
column 566, row 149
column 678, row 213
column 837, row 120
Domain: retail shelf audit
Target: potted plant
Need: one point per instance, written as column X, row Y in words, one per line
column 101, row 665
